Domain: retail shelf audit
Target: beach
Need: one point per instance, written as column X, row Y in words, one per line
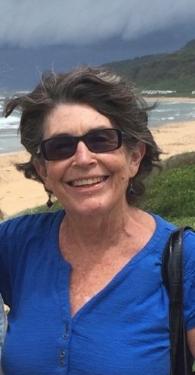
column 18, row 193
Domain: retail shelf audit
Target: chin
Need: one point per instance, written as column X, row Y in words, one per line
column 89, row 209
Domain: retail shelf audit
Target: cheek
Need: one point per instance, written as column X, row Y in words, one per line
column 120, row 167
column 53, row 176
column 56, row 169
column 124, row 181
column 53, row 173
column 122, row 175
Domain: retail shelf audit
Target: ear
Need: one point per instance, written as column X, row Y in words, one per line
column 41, row 169
column 136, row 157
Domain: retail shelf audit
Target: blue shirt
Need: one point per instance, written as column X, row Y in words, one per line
column 123, row 330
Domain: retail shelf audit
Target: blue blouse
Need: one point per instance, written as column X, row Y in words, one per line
column 123, row 330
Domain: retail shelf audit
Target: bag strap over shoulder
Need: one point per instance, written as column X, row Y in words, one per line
column 172, row 273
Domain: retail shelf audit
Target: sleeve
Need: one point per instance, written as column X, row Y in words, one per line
column 189, row 279
column 5, row 281
column 12, row 242
column 20, row 239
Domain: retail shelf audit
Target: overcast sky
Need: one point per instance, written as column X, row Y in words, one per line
column 42, row 22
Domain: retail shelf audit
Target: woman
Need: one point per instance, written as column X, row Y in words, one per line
column 84, row 284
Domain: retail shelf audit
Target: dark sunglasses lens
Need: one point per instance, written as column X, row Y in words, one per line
column 103, row 140
column 59, row 148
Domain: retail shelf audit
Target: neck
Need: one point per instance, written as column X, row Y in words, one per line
column 100, row 232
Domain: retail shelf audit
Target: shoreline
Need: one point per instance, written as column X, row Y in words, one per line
column 178, row 99
column 18, row 193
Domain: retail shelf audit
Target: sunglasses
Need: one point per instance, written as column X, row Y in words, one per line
column 97, row 141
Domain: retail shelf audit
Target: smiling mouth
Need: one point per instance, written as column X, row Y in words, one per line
column 87, row 181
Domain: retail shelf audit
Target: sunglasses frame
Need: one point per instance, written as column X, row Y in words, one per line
column 76, row 139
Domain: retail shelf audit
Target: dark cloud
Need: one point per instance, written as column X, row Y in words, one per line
column 81, row 22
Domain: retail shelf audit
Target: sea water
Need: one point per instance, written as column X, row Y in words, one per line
column 172, row 111
column 164, row 112
column 9, row 137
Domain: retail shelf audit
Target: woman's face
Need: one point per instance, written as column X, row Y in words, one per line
column 87, row 182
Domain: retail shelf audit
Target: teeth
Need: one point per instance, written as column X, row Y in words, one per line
column 87, row 181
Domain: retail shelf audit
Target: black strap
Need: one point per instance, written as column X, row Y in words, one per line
column 172, row 272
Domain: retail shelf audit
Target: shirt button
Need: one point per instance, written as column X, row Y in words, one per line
column 66, row 333
column 62, row 358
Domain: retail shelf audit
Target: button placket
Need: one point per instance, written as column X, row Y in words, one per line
column 64, row 343
column 62, row 357
column 66, row 332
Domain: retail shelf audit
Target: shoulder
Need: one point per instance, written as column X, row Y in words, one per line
column 23, row 241
column 189, row 236
column 189, row 278
column 163, row 231
column 189, row 250
column 22, row 225
column 163, row 224
column 168, row 228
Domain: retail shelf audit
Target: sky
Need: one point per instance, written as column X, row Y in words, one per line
column 28, row 23
column 39, row 35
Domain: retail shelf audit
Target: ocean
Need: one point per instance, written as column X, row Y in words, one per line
column 165, row 112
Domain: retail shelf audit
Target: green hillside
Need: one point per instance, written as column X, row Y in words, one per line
column 173, row 71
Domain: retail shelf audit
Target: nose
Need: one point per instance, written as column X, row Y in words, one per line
column 83, row 156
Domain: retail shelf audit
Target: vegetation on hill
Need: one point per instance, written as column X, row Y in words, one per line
column 172, row 71
column 170, row 191
column 171, row 194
